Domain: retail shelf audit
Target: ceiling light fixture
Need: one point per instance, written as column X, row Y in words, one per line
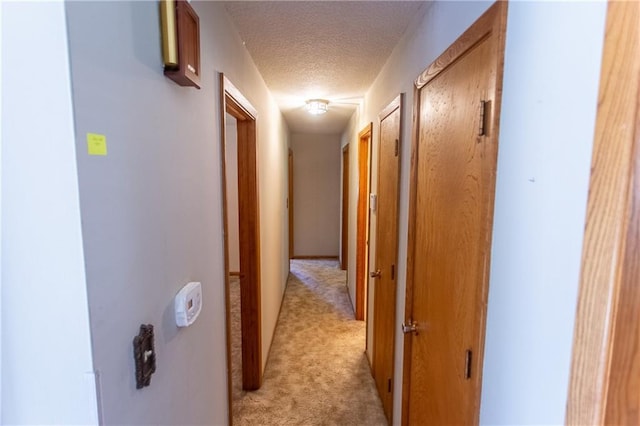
column 317, row 106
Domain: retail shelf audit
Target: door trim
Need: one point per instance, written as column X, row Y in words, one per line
column 392, row 106
column 233, row 102
column 606, row 327
column 362, row 239
column 492, row 21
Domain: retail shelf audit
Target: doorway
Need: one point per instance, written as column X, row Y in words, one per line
column 233, row 254
column 344, row 256
column 290, row 204
column 362, row 227
column 454, row 153
column 236, row 106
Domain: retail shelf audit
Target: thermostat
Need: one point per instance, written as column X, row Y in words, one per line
column 188, row 303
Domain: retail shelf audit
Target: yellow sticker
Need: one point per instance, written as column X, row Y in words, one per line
column 96, row 144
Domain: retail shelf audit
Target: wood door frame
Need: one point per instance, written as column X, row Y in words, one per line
column 606, row 328
column 290, row 204
column 365, row 138
column 494, row 19
column 344, row 258
column 234, row 103
column 395, row 104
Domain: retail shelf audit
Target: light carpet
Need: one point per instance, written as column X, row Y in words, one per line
column 317, row 372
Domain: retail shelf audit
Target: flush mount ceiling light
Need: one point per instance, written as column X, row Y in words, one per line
column 317, row 106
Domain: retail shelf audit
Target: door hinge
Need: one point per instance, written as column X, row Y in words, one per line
column 467, row 364
column 484, row 118
column 397, row 147
column 410, row 327
column 389, row 386
column 393, row 272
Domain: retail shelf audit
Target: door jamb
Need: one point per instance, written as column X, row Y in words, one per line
column 233, row 102
column 606, row 327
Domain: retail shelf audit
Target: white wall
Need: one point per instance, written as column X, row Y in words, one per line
column 231, row 167
column 552, row 67
column 152, row 208
column 316, row 194
column 46, row 349
column 550, row 85
column 1, row 232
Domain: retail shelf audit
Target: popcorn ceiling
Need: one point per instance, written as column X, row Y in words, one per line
column 333, row 50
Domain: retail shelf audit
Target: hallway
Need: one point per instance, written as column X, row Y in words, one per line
column 317, row 372
column 129, row 167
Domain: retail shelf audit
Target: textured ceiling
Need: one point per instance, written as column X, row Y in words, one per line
column 320, row 49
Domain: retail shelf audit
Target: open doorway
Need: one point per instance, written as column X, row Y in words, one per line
column 344, row 256
column 362, row 227
column 240, row 207
column 290, row 205
column 233, row 255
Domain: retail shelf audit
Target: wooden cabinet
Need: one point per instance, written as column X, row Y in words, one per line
column 187, row 29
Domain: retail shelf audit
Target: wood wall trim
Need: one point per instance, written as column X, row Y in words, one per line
column 391, row 107
column 240, row 104
column 606, row 298
column 234, row 103
column 623, row 389
column 481, row 29
column 366, row 130
column 225, row 239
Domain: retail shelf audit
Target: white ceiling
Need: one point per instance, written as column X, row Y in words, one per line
column 320, row 49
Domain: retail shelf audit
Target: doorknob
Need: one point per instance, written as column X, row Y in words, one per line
column 410, row 327
column 375, row 274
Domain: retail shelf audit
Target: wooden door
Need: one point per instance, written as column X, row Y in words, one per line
column 344, row 258
column 384, row 302
column 362, row 238
column 454, row 156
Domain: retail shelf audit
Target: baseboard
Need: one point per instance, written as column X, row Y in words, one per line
column 353, row 307
column 315, row 257
column 273, row 332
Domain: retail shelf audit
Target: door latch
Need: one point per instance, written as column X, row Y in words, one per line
column 410, row 327
column 375, row 274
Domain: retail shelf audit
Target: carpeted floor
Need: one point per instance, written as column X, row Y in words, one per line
column 236, row 342
column 317, row 372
